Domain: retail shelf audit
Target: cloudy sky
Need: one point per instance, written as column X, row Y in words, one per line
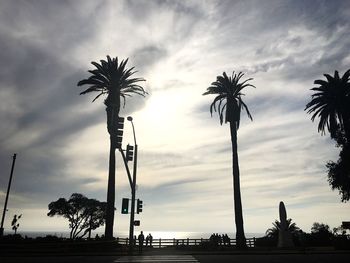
column 179, row 47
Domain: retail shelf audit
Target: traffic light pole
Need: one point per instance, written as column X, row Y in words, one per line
column 133, row 194
column 7, row 196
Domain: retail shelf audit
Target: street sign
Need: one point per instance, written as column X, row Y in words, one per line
column 137, row 223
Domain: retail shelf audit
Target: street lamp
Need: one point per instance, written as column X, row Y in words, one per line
column 133, row 189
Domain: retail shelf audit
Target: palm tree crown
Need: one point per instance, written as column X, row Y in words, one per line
column 229, row 101
column 291, row 228
column 331, row 103
column 112, row 79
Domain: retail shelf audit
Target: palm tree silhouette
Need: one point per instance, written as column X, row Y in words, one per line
column 291, row 228
column 331, row 103
column 228, row 103
column 114, row 80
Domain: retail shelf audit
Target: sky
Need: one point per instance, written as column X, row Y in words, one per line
column 185, row 167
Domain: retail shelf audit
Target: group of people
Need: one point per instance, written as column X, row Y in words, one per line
column 141, row 239
column 220, row 239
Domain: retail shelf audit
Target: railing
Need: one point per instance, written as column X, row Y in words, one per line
column 159, row 243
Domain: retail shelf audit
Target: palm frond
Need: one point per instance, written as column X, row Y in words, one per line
column 246, row 109
column 98, row 96
column 331, row 103
column 91, row 89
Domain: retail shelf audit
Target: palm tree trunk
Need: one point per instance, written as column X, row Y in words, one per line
column 111, row 127
column 110, row 191
column 240, row 237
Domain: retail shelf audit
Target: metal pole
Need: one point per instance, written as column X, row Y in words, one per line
column 133, row 192
column 7, row 196
column 133, row 197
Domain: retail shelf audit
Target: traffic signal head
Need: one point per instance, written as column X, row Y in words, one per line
column 129, row 152
column 139, row 206
column 120, row 127
column 125, row 206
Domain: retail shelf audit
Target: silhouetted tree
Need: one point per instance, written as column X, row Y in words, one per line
column 83, row 214
column 14, row 223
column 114, row 80
column 321, row 234
column 339, row 172
column 331, row 103
column 228, row 103
column 291, row 227
column 320, row 228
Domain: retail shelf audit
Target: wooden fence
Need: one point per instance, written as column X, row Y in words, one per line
column 159, row 243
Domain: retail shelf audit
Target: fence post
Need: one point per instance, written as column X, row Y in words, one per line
column 160, row 242
column 126, row 241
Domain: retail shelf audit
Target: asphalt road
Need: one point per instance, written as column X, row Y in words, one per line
column 271, row 258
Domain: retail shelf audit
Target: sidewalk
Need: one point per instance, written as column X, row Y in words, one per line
column 251, row 251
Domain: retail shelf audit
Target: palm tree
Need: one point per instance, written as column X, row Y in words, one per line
column 228, row 103
column 331, row 103
column 114, row 80
column 291, row 228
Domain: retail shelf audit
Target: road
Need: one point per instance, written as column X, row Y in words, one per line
column 275, row 258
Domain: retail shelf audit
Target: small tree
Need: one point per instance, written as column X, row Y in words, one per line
column 321, row 234
column 14, row 223
column 291, row 227
column 83, row 214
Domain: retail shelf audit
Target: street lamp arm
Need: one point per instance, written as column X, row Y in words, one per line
column 133, row 129
column 129, row 118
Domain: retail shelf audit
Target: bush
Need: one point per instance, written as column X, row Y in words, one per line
column 266, row 241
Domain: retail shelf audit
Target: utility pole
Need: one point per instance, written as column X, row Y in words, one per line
column 7, row 196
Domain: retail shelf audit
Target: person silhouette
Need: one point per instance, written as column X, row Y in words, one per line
column 147, row 239
column 150, row 239
column 141, row 238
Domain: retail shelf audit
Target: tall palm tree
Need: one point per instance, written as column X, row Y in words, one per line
column 228, row 103
column 331, row 103
column 114, row 80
